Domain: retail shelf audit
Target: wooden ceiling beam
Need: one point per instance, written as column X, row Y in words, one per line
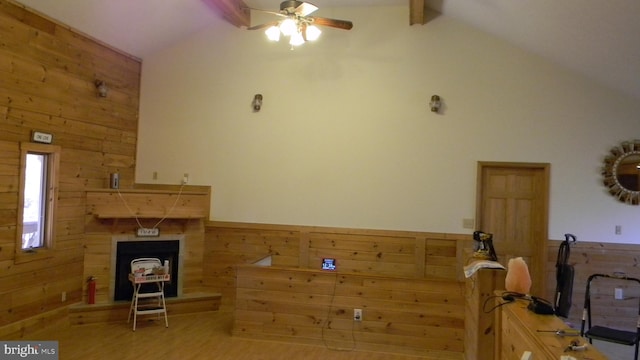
column 238, row 14
column 416, row 12
column 234, row 11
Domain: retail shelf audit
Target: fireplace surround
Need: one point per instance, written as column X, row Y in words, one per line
column 126, row 248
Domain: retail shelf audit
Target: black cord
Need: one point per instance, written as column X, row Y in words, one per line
column 327, row 323
column 484, row 306
column 507, row 296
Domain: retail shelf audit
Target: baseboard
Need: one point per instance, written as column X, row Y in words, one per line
column 82, row 314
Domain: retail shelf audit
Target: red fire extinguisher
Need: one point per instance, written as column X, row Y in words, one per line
column 91, row 290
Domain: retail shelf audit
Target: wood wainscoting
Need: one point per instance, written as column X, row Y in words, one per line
column 397, row 254
column 407, row 316
column 408, row 284
column 604, row 258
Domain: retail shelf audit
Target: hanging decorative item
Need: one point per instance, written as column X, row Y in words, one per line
column 621, row 172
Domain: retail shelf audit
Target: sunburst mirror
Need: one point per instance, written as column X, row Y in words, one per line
column 622, row 172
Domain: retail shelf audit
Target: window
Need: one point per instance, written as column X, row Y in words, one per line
column 38, row 193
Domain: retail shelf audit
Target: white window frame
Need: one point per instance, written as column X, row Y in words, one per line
column 50, row 199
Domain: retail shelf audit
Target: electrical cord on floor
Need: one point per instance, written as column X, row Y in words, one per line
column 327, row 323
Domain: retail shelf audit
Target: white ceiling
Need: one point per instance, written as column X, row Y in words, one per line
column 598, row 38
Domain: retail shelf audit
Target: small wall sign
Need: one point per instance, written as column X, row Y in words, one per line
column 41, row 137
column 148, row 232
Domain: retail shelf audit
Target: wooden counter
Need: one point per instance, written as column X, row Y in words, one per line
column 518, row 332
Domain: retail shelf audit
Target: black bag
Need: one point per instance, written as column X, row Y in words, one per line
column 564, row 278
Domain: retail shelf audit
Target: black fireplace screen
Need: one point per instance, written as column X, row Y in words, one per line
column 129, row 250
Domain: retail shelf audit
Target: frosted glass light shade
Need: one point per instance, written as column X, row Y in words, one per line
column 313, row 33
column 288, row 27
column 273, row 33
column 296, row 39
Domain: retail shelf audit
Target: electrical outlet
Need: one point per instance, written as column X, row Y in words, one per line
column 155, row 175
column 618, row 229
column 63, row 296
column 357, row 314
column 185, row 179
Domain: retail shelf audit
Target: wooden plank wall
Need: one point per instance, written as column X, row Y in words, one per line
column 401, row 254
column 604, row 258
column 410, row 316
column 441, row 257
column 408, row 284
column 47, row 75
column 228, row 245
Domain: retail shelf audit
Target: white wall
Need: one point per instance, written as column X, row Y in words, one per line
column 345, row 137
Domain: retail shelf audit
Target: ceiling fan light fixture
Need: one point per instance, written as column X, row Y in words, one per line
column 296, row 23
column 296, row 39
column 313, row 32
column 273, row 33
column 288, row 27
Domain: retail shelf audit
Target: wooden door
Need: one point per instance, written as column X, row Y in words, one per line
column 512, row 204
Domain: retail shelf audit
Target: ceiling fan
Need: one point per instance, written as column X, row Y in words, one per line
column 297, row 24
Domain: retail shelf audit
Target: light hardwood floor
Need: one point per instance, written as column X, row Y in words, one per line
column 193, row 336
column 205, row 336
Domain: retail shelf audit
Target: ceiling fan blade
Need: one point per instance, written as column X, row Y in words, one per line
column 340, row 24
column 297, row 7
column 305, row 9
column 262, row 26
column 265, row 11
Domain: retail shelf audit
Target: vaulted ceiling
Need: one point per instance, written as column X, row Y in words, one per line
column 596, row 38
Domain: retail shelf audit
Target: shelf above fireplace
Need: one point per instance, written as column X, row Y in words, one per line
column 144, row 203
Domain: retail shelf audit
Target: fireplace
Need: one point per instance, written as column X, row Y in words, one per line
column 124, row 250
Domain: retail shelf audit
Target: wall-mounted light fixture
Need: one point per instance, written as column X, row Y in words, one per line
column 257, row 102
column 435, row 103
column 101, row 88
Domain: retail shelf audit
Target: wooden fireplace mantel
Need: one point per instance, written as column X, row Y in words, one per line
column 111, row 214
column 171, row 203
